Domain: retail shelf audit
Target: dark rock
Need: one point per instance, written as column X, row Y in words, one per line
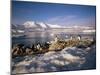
column 81, row 46
column 29, row 51
column 20, row 45
column 33, row 47
column 17, row 51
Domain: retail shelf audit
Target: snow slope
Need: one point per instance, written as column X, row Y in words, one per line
column 30, row 24
column 66, row 60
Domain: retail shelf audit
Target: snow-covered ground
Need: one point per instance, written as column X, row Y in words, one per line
column 68, row 59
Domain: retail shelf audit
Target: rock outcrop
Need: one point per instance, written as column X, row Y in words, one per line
column 58, row 45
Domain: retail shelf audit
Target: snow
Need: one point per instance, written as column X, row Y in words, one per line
column 42, row 25
column 55, row 26
column 82, row 27
column 20, row 31
column 89, row 31
column 29, row 24
column 14, row 31
column 70, row 58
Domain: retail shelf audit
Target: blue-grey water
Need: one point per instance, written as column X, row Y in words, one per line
column 29, row 40
column 34, row 39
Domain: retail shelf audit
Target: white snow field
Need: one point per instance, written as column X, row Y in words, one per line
column 68, row 59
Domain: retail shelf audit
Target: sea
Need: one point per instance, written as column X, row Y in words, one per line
column 41, row 37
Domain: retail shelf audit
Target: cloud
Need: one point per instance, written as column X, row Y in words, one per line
column 71, row 20
column 61, row 19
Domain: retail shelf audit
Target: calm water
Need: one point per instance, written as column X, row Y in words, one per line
column 29, row 41
column 26, row 40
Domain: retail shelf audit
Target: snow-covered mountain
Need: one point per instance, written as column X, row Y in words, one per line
column 17, row 30
column 32, row 24
column 29, row 24
column 56, row 26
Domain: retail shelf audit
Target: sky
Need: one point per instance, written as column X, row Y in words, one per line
column 53, row 13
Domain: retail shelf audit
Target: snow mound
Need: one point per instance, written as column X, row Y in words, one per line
column 29, row 24
column 42, row 24
column 71, row 58
column 55, row 26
